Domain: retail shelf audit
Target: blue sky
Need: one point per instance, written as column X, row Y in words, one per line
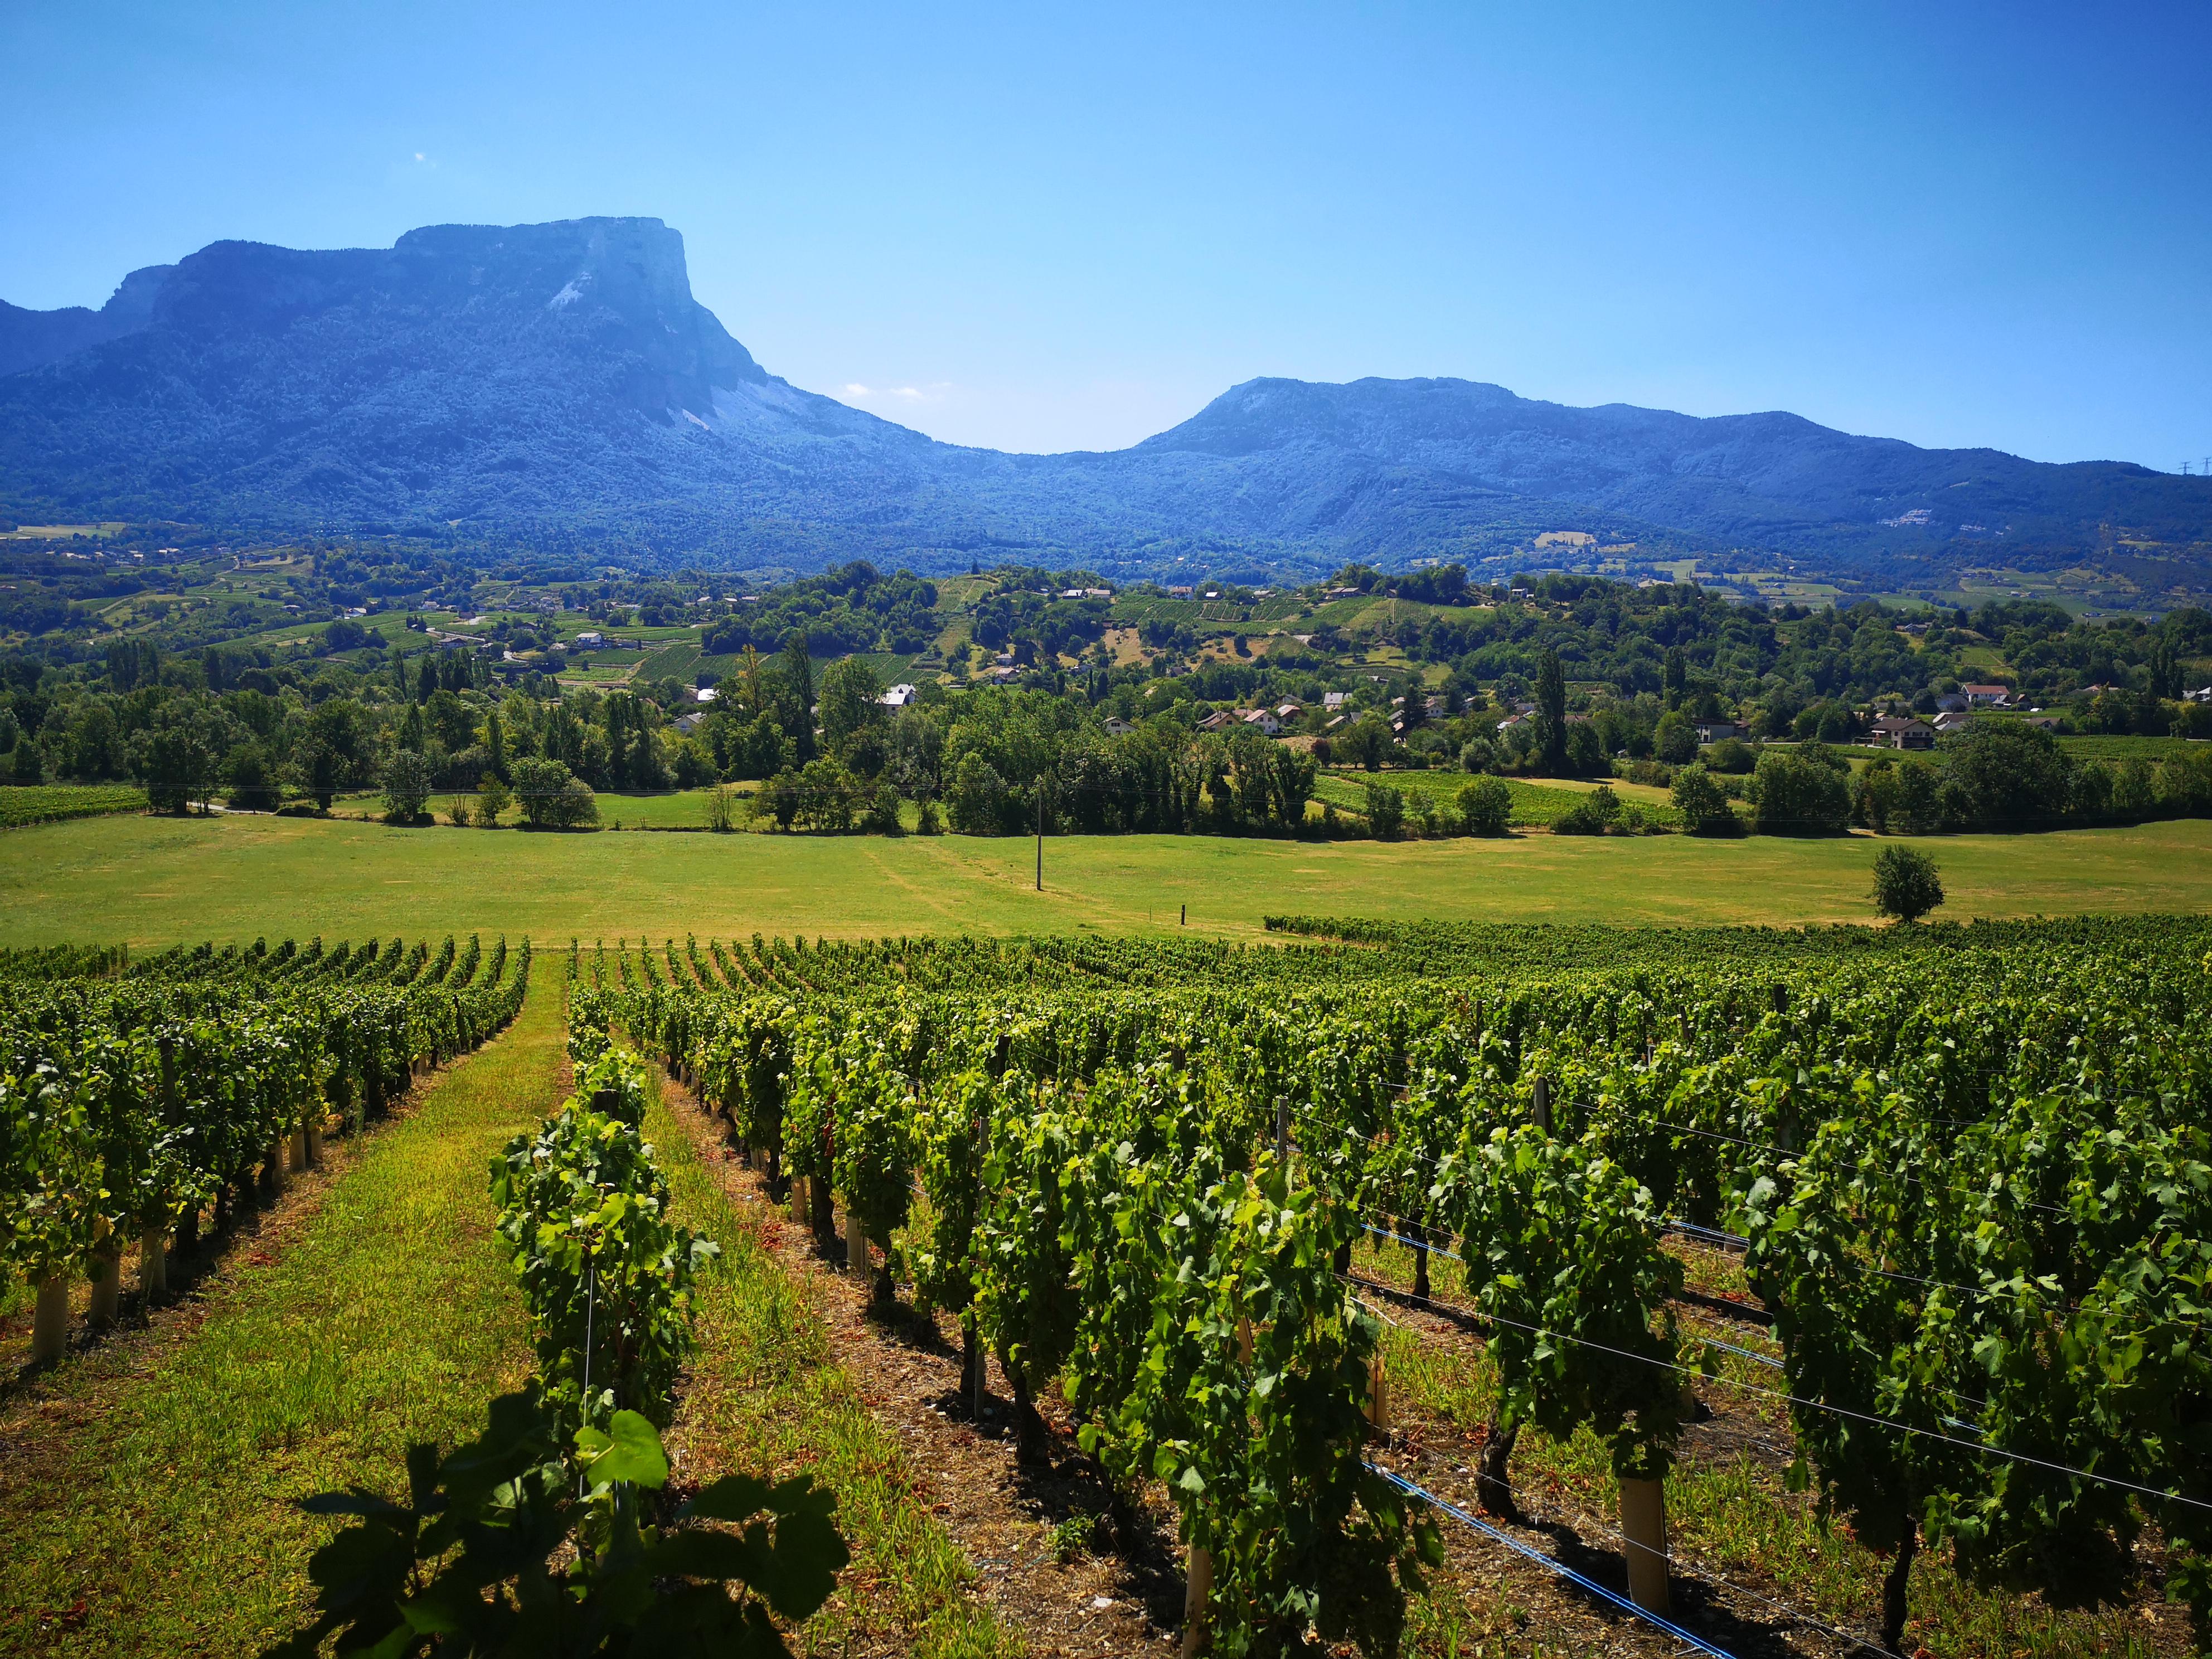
column 1056, row 227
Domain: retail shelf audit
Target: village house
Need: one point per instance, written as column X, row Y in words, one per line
column 898, row 696
column 1118, row 728
column 1719, row 730
column 1893, row 732
column 1264, row 718
column 1987, row 697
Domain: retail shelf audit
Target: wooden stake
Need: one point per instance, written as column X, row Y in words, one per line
column 107, row 1283
column 1644, row 1534
column 1378, row 1396
column 49, row 1324
column 1198, row 1589
column 153, row 1261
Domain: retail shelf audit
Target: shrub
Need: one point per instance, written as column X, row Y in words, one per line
column 1703, row 804
column 1592, row 815
column 1386, row 811
column 1732, row 755
column 406, row 787
column 1485, row 807
column 551, row 798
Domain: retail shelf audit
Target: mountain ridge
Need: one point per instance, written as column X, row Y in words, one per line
column 526, row 379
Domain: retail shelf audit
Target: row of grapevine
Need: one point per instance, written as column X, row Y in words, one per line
column 131, row 1104
column 553, row 1532
column 1129, row 1239
column 607, row 1276
column 1968, row 1170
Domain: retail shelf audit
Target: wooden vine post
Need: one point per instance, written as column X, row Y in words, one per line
column 107, row 1279
column 1198, row 1591
column 1644, row 1538
column 153, row 1261
column 1378, row 1395
column 50, row 1322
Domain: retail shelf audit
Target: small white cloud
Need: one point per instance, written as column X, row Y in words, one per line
column 420, row 156
column 933, row 393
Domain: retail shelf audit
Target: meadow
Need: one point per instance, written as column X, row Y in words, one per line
column 156, row 880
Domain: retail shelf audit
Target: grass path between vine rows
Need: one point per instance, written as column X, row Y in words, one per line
column 765, row 1394
column 147, row 1485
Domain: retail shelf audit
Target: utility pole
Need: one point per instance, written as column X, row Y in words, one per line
column 1040, row 833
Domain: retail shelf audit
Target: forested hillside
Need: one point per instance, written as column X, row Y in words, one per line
column 995, row 703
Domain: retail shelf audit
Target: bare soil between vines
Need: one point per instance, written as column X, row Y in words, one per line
column 1001, row 1510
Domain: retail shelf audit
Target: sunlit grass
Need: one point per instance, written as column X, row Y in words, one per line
column 151, row 880
column 764, row 1393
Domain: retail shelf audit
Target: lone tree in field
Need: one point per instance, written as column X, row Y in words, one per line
column 1906, row 884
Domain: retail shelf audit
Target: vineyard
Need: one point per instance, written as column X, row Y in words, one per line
column 140, row 1099
column 1935, row 1205
column 1763, row 1291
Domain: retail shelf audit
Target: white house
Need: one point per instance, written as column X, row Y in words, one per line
column 1986, row 697
column 1118, row 728
column 1333, row 700
column 898, row 696
column 1893, row 732
column 590, row 640
column 1718, row 731
column 1264, row 719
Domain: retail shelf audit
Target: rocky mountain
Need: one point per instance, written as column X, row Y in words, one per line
column 560, row 381
column 28, row 338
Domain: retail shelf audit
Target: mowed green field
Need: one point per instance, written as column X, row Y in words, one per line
column 151, row 881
